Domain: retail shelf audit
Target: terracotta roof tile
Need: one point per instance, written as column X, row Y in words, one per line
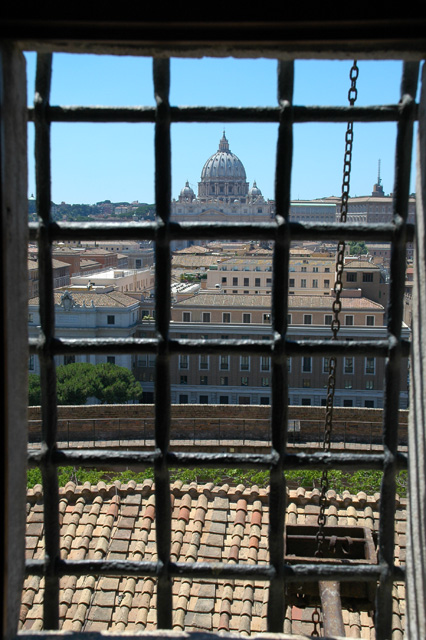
column 209, row 523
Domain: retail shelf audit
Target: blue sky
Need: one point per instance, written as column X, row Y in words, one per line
column 93, row 162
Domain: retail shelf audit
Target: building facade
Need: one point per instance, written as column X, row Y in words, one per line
column 243, row 379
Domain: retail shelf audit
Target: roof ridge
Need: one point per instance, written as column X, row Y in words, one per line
column 210, row 490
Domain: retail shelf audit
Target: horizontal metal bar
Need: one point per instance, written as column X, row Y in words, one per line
column 110, row 459
column 91, row 231
column 218, row 570
column 340, row 36
column 373, row 113
column 377, row 348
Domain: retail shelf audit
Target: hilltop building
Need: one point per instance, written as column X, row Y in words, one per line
column 223, row 192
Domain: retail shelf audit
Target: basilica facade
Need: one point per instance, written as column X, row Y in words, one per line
column 223, row 193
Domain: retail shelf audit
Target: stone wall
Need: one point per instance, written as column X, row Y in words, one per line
column 212, row 422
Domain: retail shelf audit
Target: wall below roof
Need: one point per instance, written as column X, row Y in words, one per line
column 211, row 423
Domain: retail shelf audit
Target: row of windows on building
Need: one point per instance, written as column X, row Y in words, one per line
column 262, row 364
column 265, row 382
column 351, row 276
column 110, row 318
column 245, row 364
column 246, row 318
column 266, row 400
column 68, row 359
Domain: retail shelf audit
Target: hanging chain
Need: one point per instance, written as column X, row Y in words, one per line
column 316, row 621
column 336, row 308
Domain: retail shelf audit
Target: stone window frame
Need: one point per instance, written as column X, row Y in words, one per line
column 306, row 364
column 224, row 363
column 265, row 363
column 244, row 363
column 349, row 365
column 184, row 361
column 203, row 362
column 14, row 200
column 370, row 366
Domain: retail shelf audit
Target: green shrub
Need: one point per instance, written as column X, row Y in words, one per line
column 339, row 481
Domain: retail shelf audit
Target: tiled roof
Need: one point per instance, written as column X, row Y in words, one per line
column 190, row 261
column 294, row 302
column 57, row 264
column 354, row 263
column 75, row 251
column 209, row 523
column 194, row 249
column 81, row 298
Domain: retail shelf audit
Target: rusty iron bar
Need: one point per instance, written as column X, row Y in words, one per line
column 335, row 538
column 331, row 605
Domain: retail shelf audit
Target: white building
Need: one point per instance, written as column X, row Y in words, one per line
column 124, row 280
column 88, row 314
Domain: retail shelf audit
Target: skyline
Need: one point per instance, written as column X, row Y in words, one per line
column 95, row 162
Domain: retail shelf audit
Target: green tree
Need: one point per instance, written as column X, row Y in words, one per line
column 108, row 383
column 358, row 248
column 116, row 385
column 33, row 390
column 75, row 382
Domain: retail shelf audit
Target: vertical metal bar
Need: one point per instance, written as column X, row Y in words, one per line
column 47, row 322
column 13, row 328
column 416, row 529
column 161, row 71
column 404, row 144
column 331, row 605
column 277, row 504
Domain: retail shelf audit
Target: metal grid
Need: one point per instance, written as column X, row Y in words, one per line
column 279, row 347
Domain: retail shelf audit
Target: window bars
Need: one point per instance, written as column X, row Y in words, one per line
column 279, row 348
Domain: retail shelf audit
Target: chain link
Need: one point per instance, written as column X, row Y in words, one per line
column 316, row 621
column 336, row 308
